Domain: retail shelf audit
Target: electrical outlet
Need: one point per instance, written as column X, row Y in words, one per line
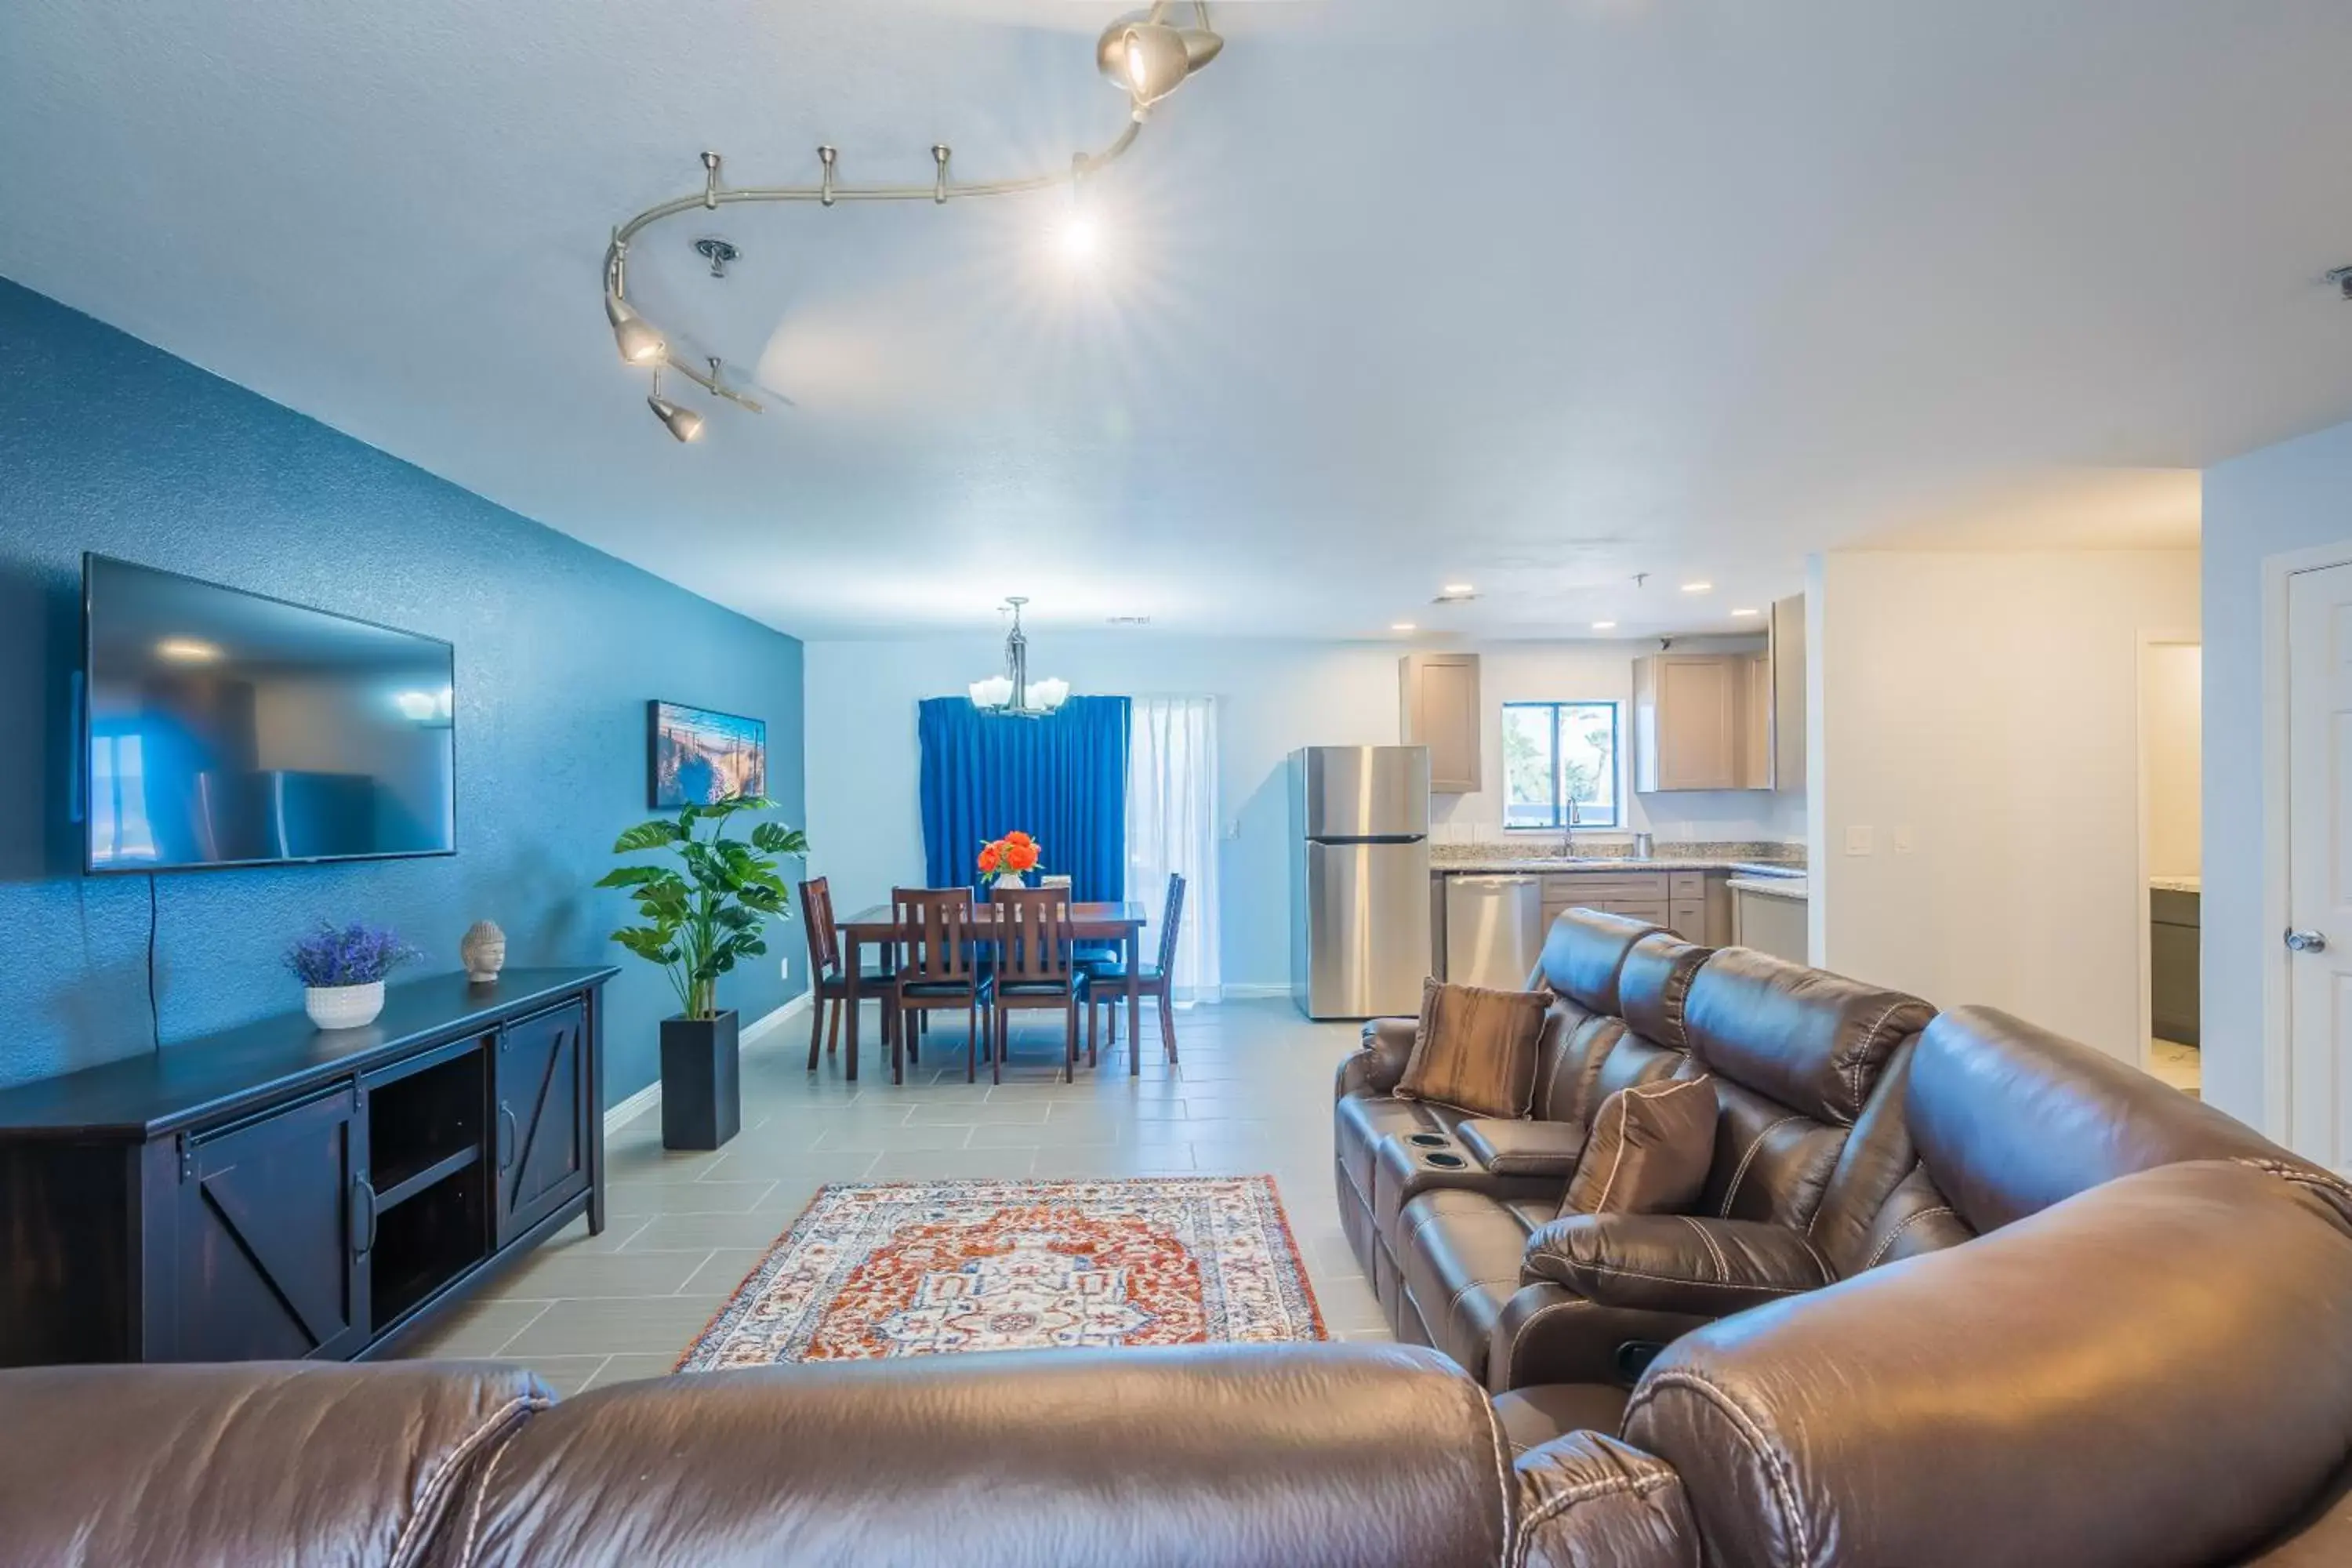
column 1903, row 843
column 1858, row 841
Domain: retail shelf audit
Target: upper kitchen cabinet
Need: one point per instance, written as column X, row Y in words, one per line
column 1725, row 720
column 1691, row 720
column 1439, row 710
column 1786, row 655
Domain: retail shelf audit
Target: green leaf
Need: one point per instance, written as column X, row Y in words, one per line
column 775, row 838
column 631, row 875
column 651, row 835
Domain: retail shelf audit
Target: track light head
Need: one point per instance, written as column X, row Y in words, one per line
column 683, row 423
column 640, row 342
column 1151, row 60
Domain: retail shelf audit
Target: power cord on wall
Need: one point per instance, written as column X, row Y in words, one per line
column 154, row 1015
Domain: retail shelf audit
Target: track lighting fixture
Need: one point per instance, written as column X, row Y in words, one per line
column 1151, row 60
column 681, row 421
column 1148, row 58
column 638, row 341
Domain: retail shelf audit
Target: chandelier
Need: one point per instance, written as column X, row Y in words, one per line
column 1146, row 57
column 1013, row 692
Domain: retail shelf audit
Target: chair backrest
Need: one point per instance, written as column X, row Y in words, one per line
column 934, row 935
column 824, row 939
column 1032, row 936
column 1170, row 917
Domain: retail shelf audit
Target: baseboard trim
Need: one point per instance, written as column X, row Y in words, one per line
column 645, row 1098
column 1232, row 993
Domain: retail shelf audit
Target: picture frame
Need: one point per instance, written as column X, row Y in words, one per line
column 700, row 756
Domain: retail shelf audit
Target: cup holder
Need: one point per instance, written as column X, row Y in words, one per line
column 1445, row 1162
column 1428, row 1140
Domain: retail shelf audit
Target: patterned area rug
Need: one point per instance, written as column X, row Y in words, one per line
column 899, row 1268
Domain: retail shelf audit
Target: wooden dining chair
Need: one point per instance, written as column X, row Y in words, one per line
column 1034, row 969
column 1106, row 981
column 828, row 981
column 938, row 967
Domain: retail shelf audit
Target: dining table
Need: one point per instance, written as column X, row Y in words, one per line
column 1091, row 924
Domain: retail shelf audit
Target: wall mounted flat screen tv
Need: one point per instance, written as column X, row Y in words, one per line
column 222, row 728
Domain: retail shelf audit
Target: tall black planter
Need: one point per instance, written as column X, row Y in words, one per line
column 702, row 1097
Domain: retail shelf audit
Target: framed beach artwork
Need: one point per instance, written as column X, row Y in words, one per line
column 700, row 757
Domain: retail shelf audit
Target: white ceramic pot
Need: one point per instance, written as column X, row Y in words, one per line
column 1011, row 879
column 343, row 1006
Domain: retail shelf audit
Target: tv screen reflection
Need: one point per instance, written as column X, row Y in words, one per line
column 227, row 729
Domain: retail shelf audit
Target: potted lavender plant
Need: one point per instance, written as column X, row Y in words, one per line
column 343, row 970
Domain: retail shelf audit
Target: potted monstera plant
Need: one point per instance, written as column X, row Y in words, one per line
column 701, row 913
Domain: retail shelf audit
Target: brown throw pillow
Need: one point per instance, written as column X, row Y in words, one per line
column 1475, row 1049
column 1649, row 1152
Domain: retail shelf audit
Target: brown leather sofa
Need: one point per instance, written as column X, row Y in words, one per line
column 1458, row 1230
column 2155, row 1373
column 2087, row 1321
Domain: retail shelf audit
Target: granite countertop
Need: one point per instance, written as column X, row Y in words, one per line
column 2177, row 884
column 1755, row 859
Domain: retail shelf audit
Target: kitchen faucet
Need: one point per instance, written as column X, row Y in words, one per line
column 1568, row 835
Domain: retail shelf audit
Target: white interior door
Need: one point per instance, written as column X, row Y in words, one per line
column 2319, row 863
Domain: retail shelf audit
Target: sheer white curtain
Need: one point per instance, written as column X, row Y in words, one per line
column 1171, row 826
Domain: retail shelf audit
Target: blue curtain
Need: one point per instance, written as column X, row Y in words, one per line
column 1061, row 779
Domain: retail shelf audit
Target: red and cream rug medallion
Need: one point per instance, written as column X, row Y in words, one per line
column 898, row 1268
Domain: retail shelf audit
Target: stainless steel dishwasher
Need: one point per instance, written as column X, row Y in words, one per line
column 1494, row 930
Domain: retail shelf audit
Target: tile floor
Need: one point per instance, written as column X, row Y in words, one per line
column 1252, row 1095
column 2182, row 1066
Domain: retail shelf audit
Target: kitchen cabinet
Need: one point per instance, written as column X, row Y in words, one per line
column 1774, row 922
column 1786, row 655
column 1680, row 901
column 2173, row 941
column 1691, row 720
column 1439, row 708
column 1725, row 720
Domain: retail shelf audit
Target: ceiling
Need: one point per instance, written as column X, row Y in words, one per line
column 1533, row 296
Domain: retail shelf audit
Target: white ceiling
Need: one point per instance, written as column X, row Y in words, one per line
column 1536, row 296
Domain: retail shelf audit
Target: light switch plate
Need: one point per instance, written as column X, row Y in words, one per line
column 1858, row 841
column 784, row 966
column 1903, row 844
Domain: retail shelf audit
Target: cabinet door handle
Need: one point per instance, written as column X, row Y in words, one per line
column 362, row 1190
column 506, row 1136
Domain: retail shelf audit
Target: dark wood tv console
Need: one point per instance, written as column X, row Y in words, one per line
column 277, row 1192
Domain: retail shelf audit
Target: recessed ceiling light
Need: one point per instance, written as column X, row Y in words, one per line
column 1698, row 588
column 1604, row 626
column 1746, row 612
column 1130, row 620
column 1458, row 589
column 187, row 650
column 1402, row 627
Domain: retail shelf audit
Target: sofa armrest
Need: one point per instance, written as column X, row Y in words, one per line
column 1524, row 1148
column 246, row 1461
column 1587, row 1499
column 1673, row 1263
column 1379, row 1065
column 1550, row 1334
column 2055, row 1390
column 1295, row 1456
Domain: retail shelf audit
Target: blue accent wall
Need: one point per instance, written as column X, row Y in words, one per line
column 110, row 445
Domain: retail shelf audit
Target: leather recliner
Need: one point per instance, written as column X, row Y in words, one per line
column 1581, row 957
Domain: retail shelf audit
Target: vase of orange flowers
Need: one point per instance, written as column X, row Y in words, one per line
column 1009, row 860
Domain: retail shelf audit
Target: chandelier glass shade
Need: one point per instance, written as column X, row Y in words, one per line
column 1014, row 692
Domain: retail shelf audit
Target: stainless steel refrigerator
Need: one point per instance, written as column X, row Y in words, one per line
column 1360, row 890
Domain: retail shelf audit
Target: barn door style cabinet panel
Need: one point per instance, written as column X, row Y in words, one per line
column 279, row 1192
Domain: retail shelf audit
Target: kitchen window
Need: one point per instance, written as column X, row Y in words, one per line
column 1558, row 755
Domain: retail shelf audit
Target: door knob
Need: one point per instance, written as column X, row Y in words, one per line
column 2305, row 942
